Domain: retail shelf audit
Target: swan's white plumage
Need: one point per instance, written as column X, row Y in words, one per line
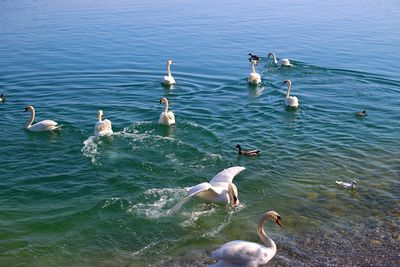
column 219, row 189
column 45, row 125
column 290, row 101
column 166, row 117
column 227, row 175
column 245, row 253
column 102, row 127
column 242, row 253
column 255, row 78
column 169, row 80
column 284, row 62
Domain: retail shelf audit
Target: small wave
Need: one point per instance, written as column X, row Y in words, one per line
column 114, row 201
column 212, row 232
column 152, row 244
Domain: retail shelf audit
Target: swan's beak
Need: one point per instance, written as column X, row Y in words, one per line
column 160, row 101
column 26, row 109
column 278, row 221
column 235, row 200
column 284, row 82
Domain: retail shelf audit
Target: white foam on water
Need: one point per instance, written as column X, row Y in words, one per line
column 164, row 197
column 90, row 146
column 195, row 215
column 152, row 244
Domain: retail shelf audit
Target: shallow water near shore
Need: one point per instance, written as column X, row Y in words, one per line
column 69, row 199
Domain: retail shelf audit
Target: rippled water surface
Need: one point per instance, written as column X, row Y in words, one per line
column 69, row 199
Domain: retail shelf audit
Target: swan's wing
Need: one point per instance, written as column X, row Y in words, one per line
column 171, row 115
column 243, row 253
column 204, row 187
column 48, row 123
column 107, row 124
column 99, row 126
column 194, row 191
column 43, row 125
column 227, row 175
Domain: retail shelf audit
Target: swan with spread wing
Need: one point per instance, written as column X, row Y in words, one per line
column 220, row 189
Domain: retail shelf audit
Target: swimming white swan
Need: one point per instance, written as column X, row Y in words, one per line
column 166, row 117
column 244, row 253
column 102, row 127
column 169, row 80
column 46, row 125
column 351, row 185
column 255, row 78
column 284, row 62
column 290, row 101
column 220, row 189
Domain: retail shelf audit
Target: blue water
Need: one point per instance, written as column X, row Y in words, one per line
column 68, row 199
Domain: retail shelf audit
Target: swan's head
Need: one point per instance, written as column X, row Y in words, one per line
column 273, row 215
column 287, row 82
column 2, row 96
column 233, row 194
column 271, row 54
column 163, row 100
column 238, row 146
column 28, row 108
column 353, row 184
column 170, row 62
column 100, row 114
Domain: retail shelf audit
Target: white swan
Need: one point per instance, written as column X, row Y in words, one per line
column 102, row 127
column 46, row 125
column 245, row 253
column 290, row 101
column 255, row 78
column 220, row 189
column 169, row 80
column 351, row 185
column 284, row 62
column 166, row 117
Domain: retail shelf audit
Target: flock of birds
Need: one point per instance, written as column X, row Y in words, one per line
column 220, row 189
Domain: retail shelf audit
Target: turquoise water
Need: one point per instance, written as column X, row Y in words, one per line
column 68, row 199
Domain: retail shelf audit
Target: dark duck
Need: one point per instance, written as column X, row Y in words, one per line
column 253, row 57
column 253, row 152
column 361, row 113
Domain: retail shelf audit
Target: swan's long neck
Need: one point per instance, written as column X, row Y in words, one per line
column 289, row 86
column 253, row 70
column 32, row 117
column 263, row 236
column 99, row 117
column 169, row 69
column 166, row 106
column 274, row 58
